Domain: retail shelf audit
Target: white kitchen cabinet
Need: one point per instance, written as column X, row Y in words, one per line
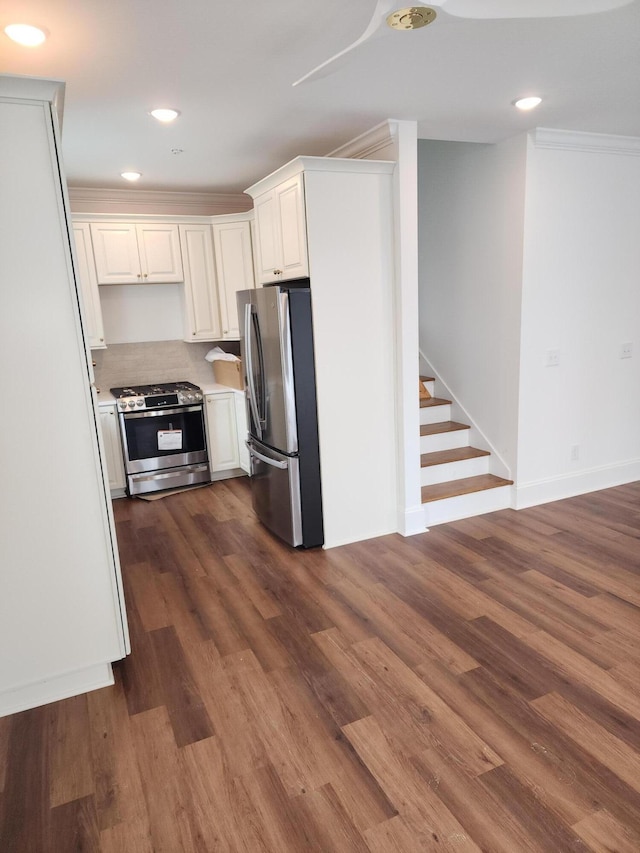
column 281, row 232
column 242, row 430
column 201, row 314
column 141, row 253
column 222, row 432
column 92, row 312
column 62, row 614
column 112, row 447
column 234, row 266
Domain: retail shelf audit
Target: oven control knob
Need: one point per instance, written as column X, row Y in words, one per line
column 140, row 403
column 131, row 404
column 198, row 395
column 122, row 404
column 190, row 397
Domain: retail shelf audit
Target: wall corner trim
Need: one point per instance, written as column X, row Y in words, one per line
column 592, row 143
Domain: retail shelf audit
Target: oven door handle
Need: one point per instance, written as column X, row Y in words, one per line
column 155, row 413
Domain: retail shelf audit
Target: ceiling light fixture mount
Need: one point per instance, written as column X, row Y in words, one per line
column 26, row 34
column 165, row 114
column 528, row 103
column 131, row 176
column 411, row 18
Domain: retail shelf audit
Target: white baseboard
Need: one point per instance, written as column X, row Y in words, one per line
column 570, row 485
column 411, row 522
column 53, row 689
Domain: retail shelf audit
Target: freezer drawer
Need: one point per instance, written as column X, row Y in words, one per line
column 275, row 488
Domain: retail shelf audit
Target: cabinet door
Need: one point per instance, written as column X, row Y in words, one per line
column 293, row 229
column 243, row 432
column 115, row 250
column 86, row 272
column 112, row 447
column 222, row 432
column 267, row 237
column 234, row 265
column 202, row 316
column 159, row 248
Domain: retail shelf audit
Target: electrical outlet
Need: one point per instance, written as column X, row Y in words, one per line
column 575, row 452
column 553, row 357
column 626, row 350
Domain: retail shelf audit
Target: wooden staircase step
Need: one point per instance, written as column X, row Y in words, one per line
column 466, row 486
column 434, row 401
column 442, row 426
column 427, row 379
column 456, row 454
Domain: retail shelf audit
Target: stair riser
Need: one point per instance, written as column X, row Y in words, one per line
column 444, row 441
column 435, row 414
column 454, row 470
column 466, row 506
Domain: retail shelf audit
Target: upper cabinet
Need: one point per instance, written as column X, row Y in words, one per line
column 202, row 315
column 234, row 265
column 281, row 232
column 212, row 255
column 127, row 253
column 88, row 285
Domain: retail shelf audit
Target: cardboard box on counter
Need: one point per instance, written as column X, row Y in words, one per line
column 229, row 373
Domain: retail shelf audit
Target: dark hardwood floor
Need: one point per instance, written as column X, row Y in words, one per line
column 475, row 688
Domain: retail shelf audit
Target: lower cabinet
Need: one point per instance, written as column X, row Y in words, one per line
column 241, row 423
column 112, row 447
column 222, row 432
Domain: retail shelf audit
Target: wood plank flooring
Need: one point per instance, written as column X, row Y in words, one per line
column 475, row 688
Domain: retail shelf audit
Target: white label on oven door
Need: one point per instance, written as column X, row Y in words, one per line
column 169, row 439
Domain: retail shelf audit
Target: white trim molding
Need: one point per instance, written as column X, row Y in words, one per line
column 371, row 142
column 53, row 689
column 125, row 202
column 570, row 485
column 592, row 143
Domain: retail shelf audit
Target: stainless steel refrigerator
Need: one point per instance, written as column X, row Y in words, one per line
column 276, row 343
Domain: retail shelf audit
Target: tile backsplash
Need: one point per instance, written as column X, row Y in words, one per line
column 155, row 361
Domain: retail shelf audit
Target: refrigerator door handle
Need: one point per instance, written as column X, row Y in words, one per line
column 251, row 390
column 275, row 463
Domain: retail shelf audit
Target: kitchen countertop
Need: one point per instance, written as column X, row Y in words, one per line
column 106, row 398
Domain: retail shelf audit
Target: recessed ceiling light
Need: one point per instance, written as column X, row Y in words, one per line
column 527, row 103
column 25, row 34
column 164, row 114
column 131, row 176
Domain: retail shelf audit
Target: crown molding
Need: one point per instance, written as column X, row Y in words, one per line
column 369, row 142
column 594, row 143
column 320, row 164
column 93, row 200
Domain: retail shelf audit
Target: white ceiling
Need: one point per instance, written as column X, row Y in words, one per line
column 229, row 68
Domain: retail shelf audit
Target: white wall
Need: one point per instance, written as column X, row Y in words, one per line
column 470, row 214
column 397, row 141
column 581, row 295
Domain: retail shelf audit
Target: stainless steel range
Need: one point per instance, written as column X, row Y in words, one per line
column 163, row 436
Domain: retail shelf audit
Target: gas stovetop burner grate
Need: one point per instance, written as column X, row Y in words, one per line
column 151, row 396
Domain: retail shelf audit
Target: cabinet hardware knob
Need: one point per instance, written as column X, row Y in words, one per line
column 139, row 276
column 93, row 364
column 193, row 333
column 101, row 340
column 277, row 272
column 145, row 275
